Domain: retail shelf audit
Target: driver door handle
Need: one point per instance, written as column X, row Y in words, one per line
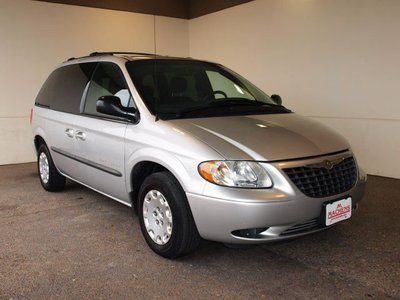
column 69, row 132
column 80, row 135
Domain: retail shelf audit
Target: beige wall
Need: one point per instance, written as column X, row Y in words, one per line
column 335, row 60
column 36, row 36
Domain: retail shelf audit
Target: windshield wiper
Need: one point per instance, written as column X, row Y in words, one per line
column 241, row 102
column 227, row 107
column 193, row 110
column 223, row 106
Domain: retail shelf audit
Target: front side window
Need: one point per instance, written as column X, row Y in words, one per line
column 173, row 88
column 107, row 80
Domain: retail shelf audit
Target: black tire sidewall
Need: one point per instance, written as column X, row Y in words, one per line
column 56, row 180
column 43, row 149
column 177, row 202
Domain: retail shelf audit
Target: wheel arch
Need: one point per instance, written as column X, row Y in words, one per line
column 39, row 138
column 144, row 165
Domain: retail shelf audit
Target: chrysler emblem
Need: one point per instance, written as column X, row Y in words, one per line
column 327, row 164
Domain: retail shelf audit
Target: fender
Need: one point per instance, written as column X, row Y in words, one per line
column 168, row 161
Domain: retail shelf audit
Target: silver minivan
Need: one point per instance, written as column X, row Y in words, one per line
column 195, row 149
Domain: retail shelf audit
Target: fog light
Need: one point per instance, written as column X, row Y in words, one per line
column 252, row 233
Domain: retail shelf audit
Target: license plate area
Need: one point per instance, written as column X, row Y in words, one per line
column 336, row 211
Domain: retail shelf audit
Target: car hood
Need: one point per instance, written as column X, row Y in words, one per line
column 265, row 137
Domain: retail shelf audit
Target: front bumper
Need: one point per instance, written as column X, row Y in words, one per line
column 223, row 214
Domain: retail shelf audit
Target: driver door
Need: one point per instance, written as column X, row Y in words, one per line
column 100, row 138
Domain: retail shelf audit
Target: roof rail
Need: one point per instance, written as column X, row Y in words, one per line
column 120, row 52
column 111, row 53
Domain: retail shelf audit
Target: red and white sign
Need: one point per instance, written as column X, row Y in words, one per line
column 338, row 211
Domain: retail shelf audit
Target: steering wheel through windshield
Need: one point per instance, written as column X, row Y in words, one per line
column 207, row 97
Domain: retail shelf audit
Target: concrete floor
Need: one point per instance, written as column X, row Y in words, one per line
column 79, row 244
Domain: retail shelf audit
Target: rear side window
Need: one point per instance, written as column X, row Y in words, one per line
column 107, row 80
column 63, row 89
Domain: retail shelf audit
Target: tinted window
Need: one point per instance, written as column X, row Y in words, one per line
column 63, row 89
column 188, row 88
column 219, row 82
column 107, row 81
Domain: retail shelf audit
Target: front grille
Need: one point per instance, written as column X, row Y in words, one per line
column 318, row 182
column 306, row 226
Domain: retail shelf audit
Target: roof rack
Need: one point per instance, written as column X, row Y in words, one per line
column 112, row 53
column 121, row 52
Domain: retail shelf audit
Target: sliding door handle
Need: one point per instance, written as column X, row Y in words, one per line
column 69, row 132
column 80, row 135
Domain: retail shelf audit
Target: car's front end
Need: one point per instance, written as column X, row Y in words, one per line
column 293, row 206
column 267, row 174
column 282, row 176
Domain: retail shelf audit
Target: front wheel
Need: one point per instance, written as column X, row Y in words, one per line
column 165, row 218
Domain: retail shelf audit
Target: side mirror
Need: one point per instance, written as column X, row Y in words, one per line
column 111, row 105
column 277, row 99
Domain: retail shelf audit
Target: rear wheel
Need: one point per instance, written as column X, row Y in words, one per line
column 50, row 178
column 165, row 218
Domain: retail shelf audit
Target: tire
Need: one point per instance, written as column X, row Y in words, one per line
column 54, row 182
column 183, row 237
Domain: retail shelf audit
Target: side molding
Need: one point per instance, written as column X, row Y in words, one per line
column 88, row 162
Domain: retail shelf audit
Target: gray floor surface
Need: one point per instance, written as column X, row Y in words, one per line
column 80, row 244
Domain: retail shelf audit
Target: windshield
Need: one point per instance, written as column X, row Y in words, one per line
column 173, row 88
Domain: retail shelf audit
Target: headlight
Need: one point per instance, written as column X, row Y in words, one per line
column 244, row 174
